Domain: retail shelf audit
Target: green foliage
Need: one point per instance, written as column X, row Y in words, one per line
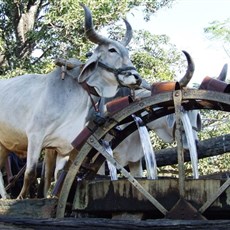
column 55, row 29
column 155, row 57
column 214, row 164
column 34, row 33
column 220, row 30
column 215, row 123
column 149, row 6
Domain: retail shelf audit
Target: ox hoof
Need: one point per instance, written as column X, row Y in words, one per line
column 20, row 197
column 5, row 196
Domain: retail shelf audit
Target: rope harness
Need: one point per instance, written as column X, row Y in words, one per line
column 91, row 91
column 124, row 71
column 65, row 66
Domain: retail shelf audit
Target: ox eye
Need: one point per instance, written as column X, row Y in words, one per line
column 112, row 50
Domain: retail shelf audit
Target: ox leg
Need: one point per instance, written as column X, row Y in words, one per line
column 136, row 168
column 60, row 163
column 49, row 167
column 2, row 187
column 3, row 157
column 31, row 168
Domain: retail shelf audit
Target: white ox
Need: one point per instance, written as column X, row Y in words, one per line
column 53, row 162
column 44, row 111
column 130, row 152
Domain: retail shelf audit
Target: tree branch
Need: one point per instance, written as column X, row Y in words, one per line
column 226, row 51
column 39, row 58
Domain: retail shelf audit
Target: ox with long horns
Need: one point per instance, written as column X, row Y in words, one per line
column 129, row 151
column 44, row 111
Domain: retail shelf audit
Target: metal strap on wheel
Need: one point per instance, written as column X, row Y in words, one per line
column 95, row 143
column 177, row 97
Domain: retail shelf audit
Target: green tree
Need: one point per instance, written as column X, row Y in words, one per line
column 220, row 30
column 54, row 29
column 155, row 57
column 216, row 123
column 35, row 32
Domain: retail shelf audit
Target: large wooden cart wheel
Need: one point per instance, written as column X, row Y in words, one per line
column 155, row 107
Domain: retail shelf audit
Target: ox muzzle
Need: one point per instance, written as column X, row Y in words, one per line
column 124, row 71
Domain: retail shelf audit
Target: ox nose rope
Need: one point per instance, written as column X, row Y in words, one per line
column 123, row 70
column 98, row 118
column 90, row 91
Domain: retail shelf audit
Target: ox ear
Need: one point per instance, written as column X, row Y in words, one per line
column 88, row 68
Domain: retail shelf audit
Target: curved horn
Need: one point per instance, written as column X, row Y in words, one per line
column 90, row 33
column 223, row 74
column 190, row 70
column 128, row 34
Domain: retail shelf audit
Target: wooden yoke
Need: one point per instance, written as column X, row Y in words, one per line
column 63, row 62
column 65, row 65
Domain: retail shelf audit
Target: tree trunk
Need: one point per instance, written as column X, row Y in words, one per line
column 210, row 147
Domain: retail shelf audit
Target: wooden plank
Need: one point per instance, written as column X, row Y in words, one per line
column 105, row 224
column 98, row 196
column 94, row 142
column 34, row 208
column 210, row 201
